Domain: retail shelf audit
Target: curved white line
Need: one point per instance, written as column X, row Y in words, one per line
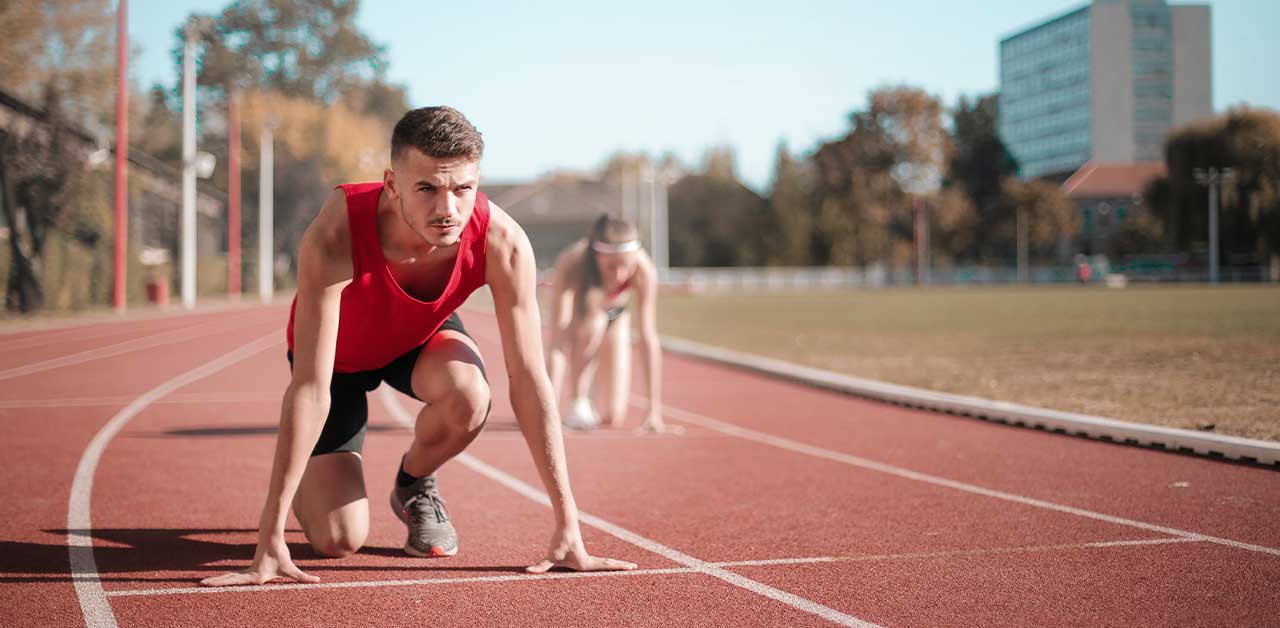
column 84, row 569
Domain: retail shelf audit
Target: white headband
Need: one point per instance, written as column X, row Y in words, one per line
column 620, row 247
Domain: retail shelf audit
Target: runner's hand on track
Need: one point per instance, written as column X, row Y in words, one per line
column 655, row 425
column 568, row 551
column 271, row 561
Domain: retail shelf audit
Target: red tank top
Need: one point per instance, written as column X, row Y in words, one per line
column 379, row 321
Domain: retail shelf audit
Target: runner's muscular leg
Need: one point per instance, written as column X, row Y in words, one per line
column 449, row 377
column 613, row 384
column 588, row 333
column 331, row 503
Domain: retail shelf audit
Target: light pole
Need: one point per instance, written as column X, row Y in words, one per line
column 119, row 295
column 628, row 195
column 233, row 195
column 266, row 211
column 1213, row 178
column 658, row 181
column 188, row 228
column 191, row 163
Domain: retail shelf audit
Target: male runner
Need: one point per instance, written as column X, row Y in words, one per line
column 381, row 270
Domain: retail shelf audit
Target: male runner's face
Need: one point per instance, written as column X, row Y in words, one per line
column 436, row 195
column 616, row 268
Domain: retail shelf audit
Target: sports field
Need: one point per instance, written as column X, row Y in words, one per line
column 1190, row 357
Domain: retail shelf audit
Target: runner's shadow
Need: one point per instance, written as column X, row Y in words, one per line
column 242, row 430
column 155, row 551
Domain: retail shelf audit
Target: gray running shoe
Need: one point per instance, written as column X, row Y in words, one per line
column 419, row 506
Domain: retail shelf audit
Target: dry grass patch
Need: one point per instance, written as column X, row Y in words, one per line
column 1189, row 357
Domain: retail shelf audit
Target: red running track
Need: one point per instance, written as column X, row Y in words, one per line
column 138, row 454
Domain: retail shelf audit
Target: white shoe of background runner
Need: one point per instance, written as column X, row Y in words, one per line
column 581, row 416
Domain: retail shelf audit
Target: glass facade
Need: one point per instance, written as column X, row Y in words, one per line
column 1152, row 78
column 1045, row 99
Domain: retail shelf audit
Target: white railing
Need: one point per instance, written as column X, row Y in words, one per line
column 819, row 277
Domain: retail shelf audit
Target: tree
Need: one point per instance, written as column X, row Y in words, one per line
column 720, row 163
column 865, row 180
column 1246, row 140
column 953, row 223
column 35, row 171
column 58, row 54
column 715, row 222
column 306, row 64
column 978, row 164
column 791, row 217
column 310, row 49
column 1048, row 215
column 66, row 47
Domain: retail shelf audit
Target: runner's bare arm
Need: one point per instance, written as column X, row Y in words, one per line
column 324, row 269
column 562, row 304
column 511, row 274
column 650, row 348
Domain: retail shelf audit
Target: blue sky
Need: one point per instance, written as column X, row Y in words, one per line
column 562, row 84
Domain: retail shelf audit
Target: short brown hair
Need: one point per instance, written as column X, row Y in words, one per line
column 440, row 132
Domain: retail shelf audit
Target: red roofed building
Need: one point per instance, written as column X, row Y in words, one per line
column 1108, row 194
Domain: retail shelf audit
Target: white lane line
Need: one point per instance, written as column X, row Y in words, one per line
column 136, row 344
column 370, row 584
column 601, row 435
column 93, row 602
column 1027, row 549
column 27, row 343
column 188, row 398
column 792, row 600
column 374, row 584
column 818, row 452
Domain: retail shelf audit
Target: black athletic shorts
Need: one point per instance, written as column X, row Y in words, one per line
column 348, row 418
column 614, row 313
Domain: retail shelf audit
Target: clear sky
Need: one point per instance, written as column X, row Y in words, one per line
column 562, row 84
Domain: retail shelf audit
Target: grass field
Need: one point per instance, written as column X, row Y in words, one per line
column 1190, row 357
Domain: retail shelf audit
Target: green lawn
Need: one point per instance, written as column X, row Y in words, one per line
column 1190, row 357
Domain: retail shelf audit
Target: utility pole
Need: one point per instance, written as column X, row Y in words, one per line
column 1213, row 178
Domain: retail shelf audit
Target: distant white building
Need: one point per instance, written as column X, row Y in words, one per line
column 1103, row 83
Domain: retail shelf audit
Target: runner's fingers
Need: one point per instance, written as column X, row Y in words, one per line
column 541, row 567
column 608, row 564
column 229, row 579
column 301, row 576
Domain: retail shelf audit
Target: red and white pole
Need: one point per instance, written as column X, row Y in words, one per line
column 122, row 154
column 233, row 194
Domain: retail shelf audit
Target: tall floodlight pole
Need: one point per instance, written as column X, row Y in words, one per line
column 118, row 298
column 189, row 167
column 266, row 213
column 233, row 196
column 1213, row 178
column 1024, row 252
column 661, row 250
column 628, row 195
column 650, row 176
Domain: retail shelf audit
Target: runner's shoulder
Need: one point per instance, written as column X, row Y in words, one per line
column 327, row 240
column 505, row 234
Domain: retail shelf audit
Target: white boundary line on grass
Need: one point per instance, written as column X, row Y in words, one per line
column 84, row 568
column 1174, row 439
column 792, row 600
column 374, row 584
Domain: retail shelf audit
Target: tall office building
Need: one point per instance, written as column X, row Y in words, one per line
column 1103, row 83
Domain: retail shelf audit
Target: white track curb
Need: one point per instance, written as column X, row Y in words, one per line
column 1171, row 439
